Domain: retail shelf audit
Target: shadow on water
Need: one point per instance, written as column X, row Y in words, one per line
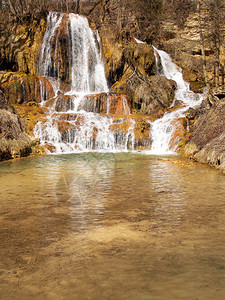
column 111, row 226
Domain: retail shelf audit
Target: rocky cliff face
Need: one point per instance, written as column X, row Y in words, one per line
column 131, row 70
column 19, row 54
column 20, row 45
column 183, row 44
column 206, row 142
column 20, row 88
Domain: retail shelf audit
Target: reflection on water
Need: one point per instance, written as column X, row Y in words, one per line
column 111, row 226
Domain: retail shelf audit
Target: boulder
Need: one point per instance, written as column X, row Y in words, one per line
column 154, row 96
column 10, row 125
column 206, row 143
column 14, row 142
column 122, row 58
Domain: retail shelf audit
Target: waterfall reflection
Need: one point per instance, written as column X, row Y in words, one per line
column 169, row 187
column 84, row 186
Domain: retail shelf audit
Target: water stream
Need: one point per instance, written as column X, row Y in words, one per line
column 163, row 128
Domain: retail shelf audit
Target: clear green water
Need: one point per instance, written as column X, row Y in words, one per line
column 111, row 226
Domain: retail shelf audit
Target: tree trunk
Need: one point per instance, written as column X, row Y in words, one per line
column 217, row 63
column 67, row 6
column 77, row 6
column 202, row 45
column 119, row 15
column 12, row 8
column 223, row 74
column 217, row 37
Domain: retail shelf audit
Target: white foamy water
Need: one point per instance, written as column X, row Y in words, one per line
column 87, row 70
column 86, row 132
column 163, row 129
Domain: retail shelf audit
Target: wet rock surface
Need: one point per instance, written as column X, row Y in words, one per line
column 106, row 104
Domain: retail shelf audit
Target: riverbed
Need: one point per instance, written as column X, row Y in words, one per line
column 111, row 226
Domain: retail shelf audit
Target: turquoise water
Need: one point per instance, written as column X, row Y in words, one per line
column 111, row 226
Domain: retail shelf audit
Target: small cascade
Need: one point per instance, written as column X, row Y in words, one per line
column 126, row 106
column 48, row 89
column 138, row 41
column 85, row 132
column 163, row 129
column 24, row 91
column 157, row 62
column 80, row 112
column 48, row 62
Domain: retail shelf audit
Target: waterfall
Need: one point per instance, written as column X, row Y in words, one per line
column 83, row 68
column 87, row 69
column 70, row 60
column 163, row 128
column 82, row 115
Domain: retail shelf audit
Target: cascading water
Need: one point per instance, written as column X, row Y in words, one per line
column 71, row 128
column 71, row 64
column 87, row 70
column 163, row 128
